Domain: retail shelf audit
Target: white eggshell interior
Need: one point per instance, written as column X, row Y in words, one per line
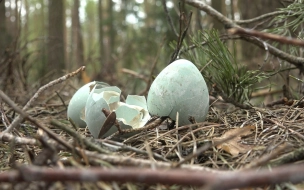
column 180, row 87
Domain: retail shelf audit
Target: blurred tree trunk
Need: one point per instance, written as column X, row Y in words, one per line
column 251, row 9
column 77, row 58
column 101, row 32
column 220, row 6
column 56, row 44
column 3, row 28
column 108, row 69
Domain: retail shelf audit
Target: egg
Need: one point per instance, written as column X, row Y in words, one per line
column 78, row 102
column 180, row 87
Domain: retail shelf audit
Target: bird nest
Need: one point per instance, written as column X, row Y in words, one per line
column 229, row 150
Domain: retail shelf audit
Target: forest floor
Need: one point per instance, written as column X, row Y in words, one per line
column 258, row 147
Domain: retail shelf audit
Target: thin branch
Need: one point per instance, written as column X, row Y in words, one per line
column 18, row 119
column 266, row 36
column 135, row 74
column 7, row 137
column 23, row 114
column 169, row 17
column 78, row 137
column 182, row 34
column 262, row 17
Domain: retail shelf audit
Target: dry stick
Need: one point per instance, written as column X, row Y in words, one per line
column 169, row 17
column 264, row 35
column 34, row 121
column 262, row 17
column 284, row 127
column 135, row 74
column 128, row 161
column 185, row 127
column 297, row 61
column 7, row 137
column 18, row 119
column 266, row 158
column 207, row 146
column 230, row 180
column 181, row 36
column 183, row 138
column 78, row 137
column 290, row 157
column 123, row 147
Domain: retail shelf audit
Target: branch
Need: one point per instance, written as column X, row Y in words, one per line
column 7, row 137
column 262, row 17
column 18, row 119
column 251, row 178
column 266, row 36
column 297, row 61
column 23, row 114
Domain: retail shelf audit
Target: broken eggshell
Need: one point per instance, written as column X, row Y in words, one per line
column 180, row 87
column 132, row 114
column 78, row 102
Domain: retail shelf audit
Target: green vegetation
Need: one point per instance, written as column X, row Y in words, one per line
column 219, row 66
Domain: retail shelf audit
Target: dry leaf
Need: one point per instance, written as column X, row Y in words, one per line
column 233, row 146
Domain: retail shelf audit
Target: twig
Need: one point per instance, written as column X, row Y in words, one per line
column 79, row 138
column 239, row 179
column 262, row 17
column 169, row 17
column 290, row 157
column 129, row 161
column 34, row 121
column 19, row 118
column 264, row 35
column 261, row 161
column 7, row 137
column 123, row 147
column 182, row 34
column 135, row 74
column 207, row 146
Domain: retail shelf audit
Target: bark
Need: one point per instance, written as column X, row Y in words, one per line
column 101, row 32
column 218, row 5
column 56, row 44
column 3, row 28
column 77, row 58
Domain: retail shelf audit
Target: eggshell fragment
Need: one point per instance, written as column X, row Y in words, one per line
column 77, row 104
column 180, row 87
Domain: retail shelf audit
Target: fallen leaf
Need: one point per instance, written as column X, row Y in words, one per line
column 233, row 143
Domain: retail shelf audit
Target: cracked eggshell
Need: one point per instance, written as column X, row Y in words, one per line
column 106, row 97
column 134, row 112
column 180, row 87
column 77, row 104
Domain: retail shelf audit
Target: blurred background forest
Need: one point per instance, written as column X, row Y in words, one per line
column 117, row 40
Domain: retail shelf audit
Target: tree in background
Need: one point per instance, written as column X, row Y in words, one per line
column 56, row 42
column 77, row 51
column 220, row 6
column 3, row 28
